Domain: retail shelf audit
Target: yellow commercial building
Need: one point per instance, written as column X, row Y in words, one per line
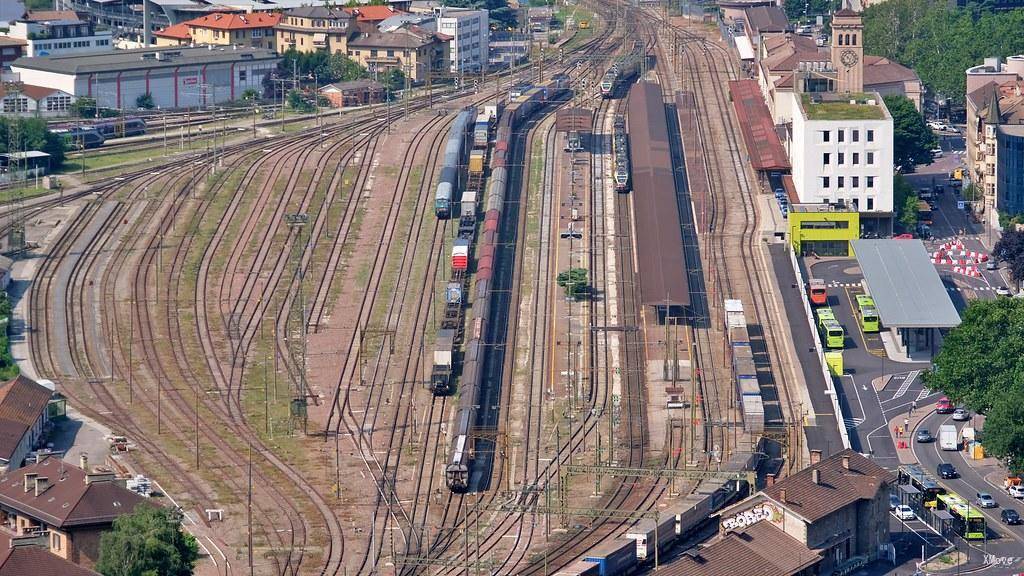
column 822, row 229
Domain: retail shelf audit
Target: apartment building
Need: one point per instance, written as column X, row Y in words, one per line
column 416, row 52
column 255, row 30
column 312, row 28
column 995, row 132
column 54, row 32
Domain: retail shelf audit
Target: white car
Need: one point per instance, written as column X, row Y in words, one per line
column 961, row 415
column 904, row 512
column 936, row 125
column 1003, row 291
column 1016, row 491
column 937, row 153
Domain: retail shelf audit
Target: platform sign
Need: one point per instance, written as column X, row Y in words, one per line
column 961, row 205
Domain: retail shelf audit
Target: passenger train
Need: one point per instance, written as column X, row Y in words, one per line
column 620, row 151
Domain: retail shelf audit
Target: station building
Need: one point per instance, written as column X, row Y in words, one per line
column 822, row 229
column 830, row 518
column 175, row 76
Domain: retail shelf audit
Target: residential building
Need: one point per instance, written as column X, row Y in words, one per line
column 35, row 101
column 371, row 14
column 10, row 50
column 72, row 506
column 176, row 77
column 995, row 139
column 255, row 30
column 312, row 28
column 996, row 70
column 830, row 518
column 23, row 420
column 59, row 32
column 469, row 46
column 840, row 148
column 354, row 93
column 417, row 53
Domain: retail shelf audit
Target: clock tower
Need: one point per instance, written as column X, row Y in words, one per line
column 848, row 50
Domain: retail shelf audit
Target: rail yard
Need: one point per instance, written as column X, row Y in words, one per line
column 429, row 338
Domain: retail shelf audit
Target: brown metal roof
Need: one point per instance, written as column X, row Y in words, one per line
column 574, row 120
column 37, row 561
column 69, row 501
column 22, row 401
column 763, row 144
column 762, row 19
column 659, row 235
column 761, row 549
column 837, row 486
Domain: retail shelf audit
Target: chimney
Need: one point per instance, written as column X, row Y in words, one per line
column 30, row 481
column 815, row 456
column 83, row 462
column 846, row 462
column 816, row 476
column 769, row 480
column 42, row 484
column 782, row 495
column 99, row 477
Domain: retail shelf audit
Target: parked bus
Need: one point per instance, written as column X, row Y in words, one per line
column 831, row 330
column 924, row 213
column 924, row 483
column 868, row 313
column 968, row 521
column 816, row 292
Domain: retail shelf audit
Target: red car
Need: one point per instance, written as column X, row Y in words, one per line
column 903, row 237
column 944, row 406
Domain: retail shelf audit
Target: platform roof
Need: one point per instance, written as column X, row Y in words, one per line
column 904, row 284
column 763, row 144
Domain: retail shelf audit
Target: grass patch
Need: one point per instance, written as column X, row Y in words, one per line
column 11, row 194
column 843, row 109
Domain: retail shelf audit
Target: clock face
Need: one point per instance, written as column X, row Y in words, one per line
column 848, row 58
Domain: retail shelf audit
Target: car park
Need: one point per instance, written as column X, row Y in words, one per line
column 1016, row 491
column 946, row 471
column 1003, row 291
column 1009, row 516
column 961, row 415
column 923, row 435
column 985, row 500
column 904, row 512
column 944, row 406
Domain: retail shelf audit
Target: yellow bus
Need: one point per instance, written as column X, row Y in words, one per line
column 868, row 313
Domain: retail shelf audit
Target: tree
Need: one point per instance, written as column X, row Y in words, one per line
column 296, row 101
column 1004, row 433
column 84, row 107
column 250, row 95
column 145, row 101
column 393, row 80
column 574, row 281
column 912, row 140
column 904, row 201
column 34, row 136
column 149, row 542
column 1010, row 249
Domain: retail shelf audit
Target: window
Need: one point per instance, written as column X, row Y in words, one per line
column 58, row 103
column 870, row 183
column 826, row 158
column 391, row 53
column 56, row 542
column 871, row 135
column 856, row 181
column 825, row 225
column 871, row 159
column 243, row 75
column 824, row 181
column 839, row 181
column 856, row 158
column 824, row 136
column 871, row 201
column 841, row 135
column 15, row 104
column 257, row 32
column 842, row 158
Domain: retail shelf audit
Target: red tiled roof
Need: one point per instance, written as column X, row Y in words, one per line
column 36, row 561
column 763, row 145
column 70, row 500
column 373, row 13
column 44, row 15
column 760, row 549
column 22, row 400
column 224, row 21
column 879, row 70
column 178, row 31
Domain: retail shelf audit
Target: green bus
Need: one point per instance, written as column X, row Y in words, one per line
column 831, row 330
column 968, row 521
column 928, row 489
column 868, row 313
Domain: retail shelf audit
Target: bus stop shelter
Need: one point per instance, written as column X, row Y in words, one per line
column 911, row 300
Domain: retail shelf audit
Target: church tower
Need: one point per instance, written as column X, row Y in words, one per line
column 848, row 50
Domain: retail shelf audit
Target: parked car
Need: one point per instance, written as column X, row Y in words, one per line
column 946, row 471
column 985, row 500
column 937, row 153
column 944, row 406
column 1016, row 491
column 1009, row 516
column 923, row 435
column 961, row 415
column 904, row 512
column 894, row 502
column 1003, row 291
column 992, row 264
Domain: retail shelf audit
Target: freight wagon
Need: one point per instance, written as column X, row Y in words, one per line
column 451, row 167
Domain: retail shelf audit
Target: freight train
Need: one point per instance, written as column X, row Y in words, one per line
column 471, row 379
column 623, row 70
column 454, row 158
column 620, row 150
column 744, row 370
column 651, row 537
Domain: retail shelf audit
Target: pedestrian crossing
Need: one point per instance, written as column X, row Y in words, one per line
column 924, row 393
column 844, row 285
column 852, row 423
column 905, row 385
column 975, row 288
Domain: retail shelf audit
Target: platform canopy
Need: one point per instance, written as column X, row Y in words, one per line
column 904, row 284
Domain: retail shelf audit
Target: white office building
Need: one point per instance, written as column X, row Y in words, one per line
column 469, row 46
column 840, row 148
column 62, row 33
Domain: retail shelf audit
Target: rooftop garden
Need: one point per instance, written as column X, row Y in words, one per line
column 840, row 108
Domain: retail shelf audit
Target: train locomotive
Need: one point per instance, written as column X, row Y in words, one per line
column 454, row 158
column 623, row 70
column 457, row 470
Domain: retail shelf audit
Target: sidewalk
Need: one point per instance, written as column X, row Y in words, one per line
column 906, row 454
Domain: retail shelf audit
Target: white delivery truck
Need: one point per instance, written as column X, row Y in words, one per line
column 947, row 437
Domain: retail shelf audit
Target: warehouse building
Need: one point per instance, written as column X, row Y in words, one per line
column 175, row 76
